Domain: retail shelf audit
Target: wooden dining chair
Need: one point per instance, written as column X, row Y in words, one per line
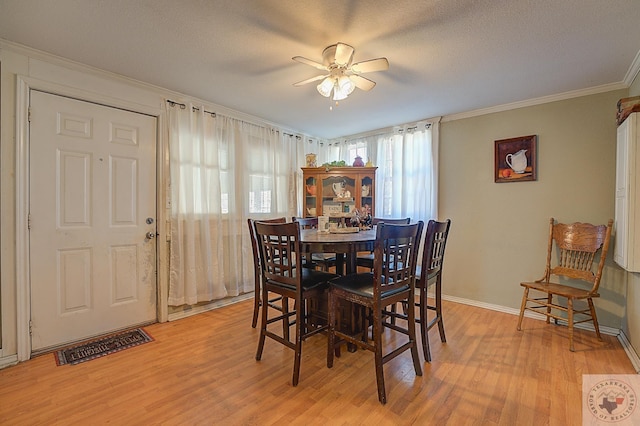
column 392, row 281
column 322, row 260
column 429, row 273
column 366, row 259
column 283, row 274
column 577, row 245
column 275, row 303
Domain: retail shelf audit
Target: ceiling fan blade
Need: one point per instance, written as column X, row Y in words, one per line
column 311, row 80
column 306, row 61
column 362, row 83
column 379, row 64
column 344, row 53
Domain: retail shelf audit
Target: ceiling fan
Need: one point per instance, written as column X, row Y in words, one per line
column 342, row 76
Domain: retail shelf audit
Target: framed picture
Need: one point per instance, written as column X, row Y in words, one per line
column 515, row 159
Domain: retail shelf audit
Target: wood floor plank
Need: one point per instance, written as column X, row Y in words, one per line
column 202, row 370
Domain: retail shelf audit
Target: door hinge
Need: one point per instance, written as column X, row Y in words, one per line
column 29, row 115
column 29, row 221
column 30, row 328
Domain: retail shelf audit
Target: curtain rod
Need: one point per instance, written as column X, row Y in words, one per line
column 298, row 137
column 387, row 130
column 213, row 114
column 183, row 106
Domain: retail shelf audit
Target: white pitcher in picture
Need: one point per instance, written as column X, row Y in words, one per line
column 517, row 161
column 339, row 189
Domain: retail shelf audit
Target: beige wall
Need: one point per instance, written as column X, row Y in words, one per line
column 499, row 230
column 631, row 322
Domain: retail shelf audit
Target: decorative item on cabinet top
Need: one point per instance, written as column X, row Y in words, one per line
column 311, row 160
column 625, row 107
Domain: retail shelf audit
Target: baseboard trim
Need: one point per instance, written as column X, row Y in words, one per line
column 8, row 361
column 198, row 309
column 584, row 326
column 631, row 353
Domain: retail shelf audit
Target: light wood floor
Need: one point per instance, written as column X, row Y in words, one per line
column 202, row 370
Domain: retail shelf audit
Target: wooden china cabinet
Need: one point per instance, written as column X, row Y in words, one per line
column 337, row 191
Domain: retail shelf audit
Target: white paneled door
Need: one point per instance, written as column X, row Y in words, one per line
column 92, row 207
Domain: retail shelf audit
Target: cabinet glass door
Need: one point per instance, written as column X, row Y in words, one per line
column 310, row 193
column 338, row 195
column 366, row 194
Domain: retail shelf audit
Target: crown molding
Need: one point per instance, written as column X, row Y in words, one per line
column 537, row 101
column 50, row 58
column 633, row 70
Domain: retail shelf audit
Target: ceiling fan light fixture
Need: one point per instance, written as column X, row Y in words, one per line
column 325, row 87
column 339, row 95
column 343, row 76
column 346, row 84
column 343, row 88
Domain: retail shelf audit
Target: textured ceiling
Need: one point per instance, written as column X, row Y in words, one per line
column 446, row 56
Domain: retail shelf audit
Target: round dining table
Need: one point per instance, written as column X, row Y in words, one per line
column 345, row 245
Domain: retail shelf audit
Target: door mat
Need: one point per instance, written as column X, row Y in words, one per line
column 97, row 348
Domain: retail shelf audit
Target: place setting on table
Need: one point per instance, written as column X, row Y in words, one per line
column 345, row 234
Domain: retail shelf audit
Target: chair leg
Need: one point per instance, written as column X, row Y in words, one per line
column 331, row 337
column 411, row 329
column 300, row 328
column 424, row 328
column 570, row 320
column 523, row 305
column 263, row 323
column 549, row 302
column 443, row 339
column 594, row 317
column 393, row 310
column 286, row 324
column 377, row 338
column 256, row 308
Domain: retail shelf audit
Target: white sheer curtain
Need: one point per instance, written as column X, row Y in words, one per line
column 407, row 175
column 407, row 182
column 223, row 170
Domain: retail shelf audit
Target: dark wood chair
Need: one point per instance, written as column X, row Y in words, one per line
column 428, row 273
column 392, row 281
column 577, row 245
column 257, row 301
column 322, row 260
column 366, row 259
column 283, row 274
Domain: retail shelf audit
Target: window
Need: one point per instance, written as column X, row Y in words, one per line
column 260, row 194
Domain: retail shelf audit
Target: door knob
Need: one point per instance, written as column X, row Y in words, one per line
column 151, row 235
